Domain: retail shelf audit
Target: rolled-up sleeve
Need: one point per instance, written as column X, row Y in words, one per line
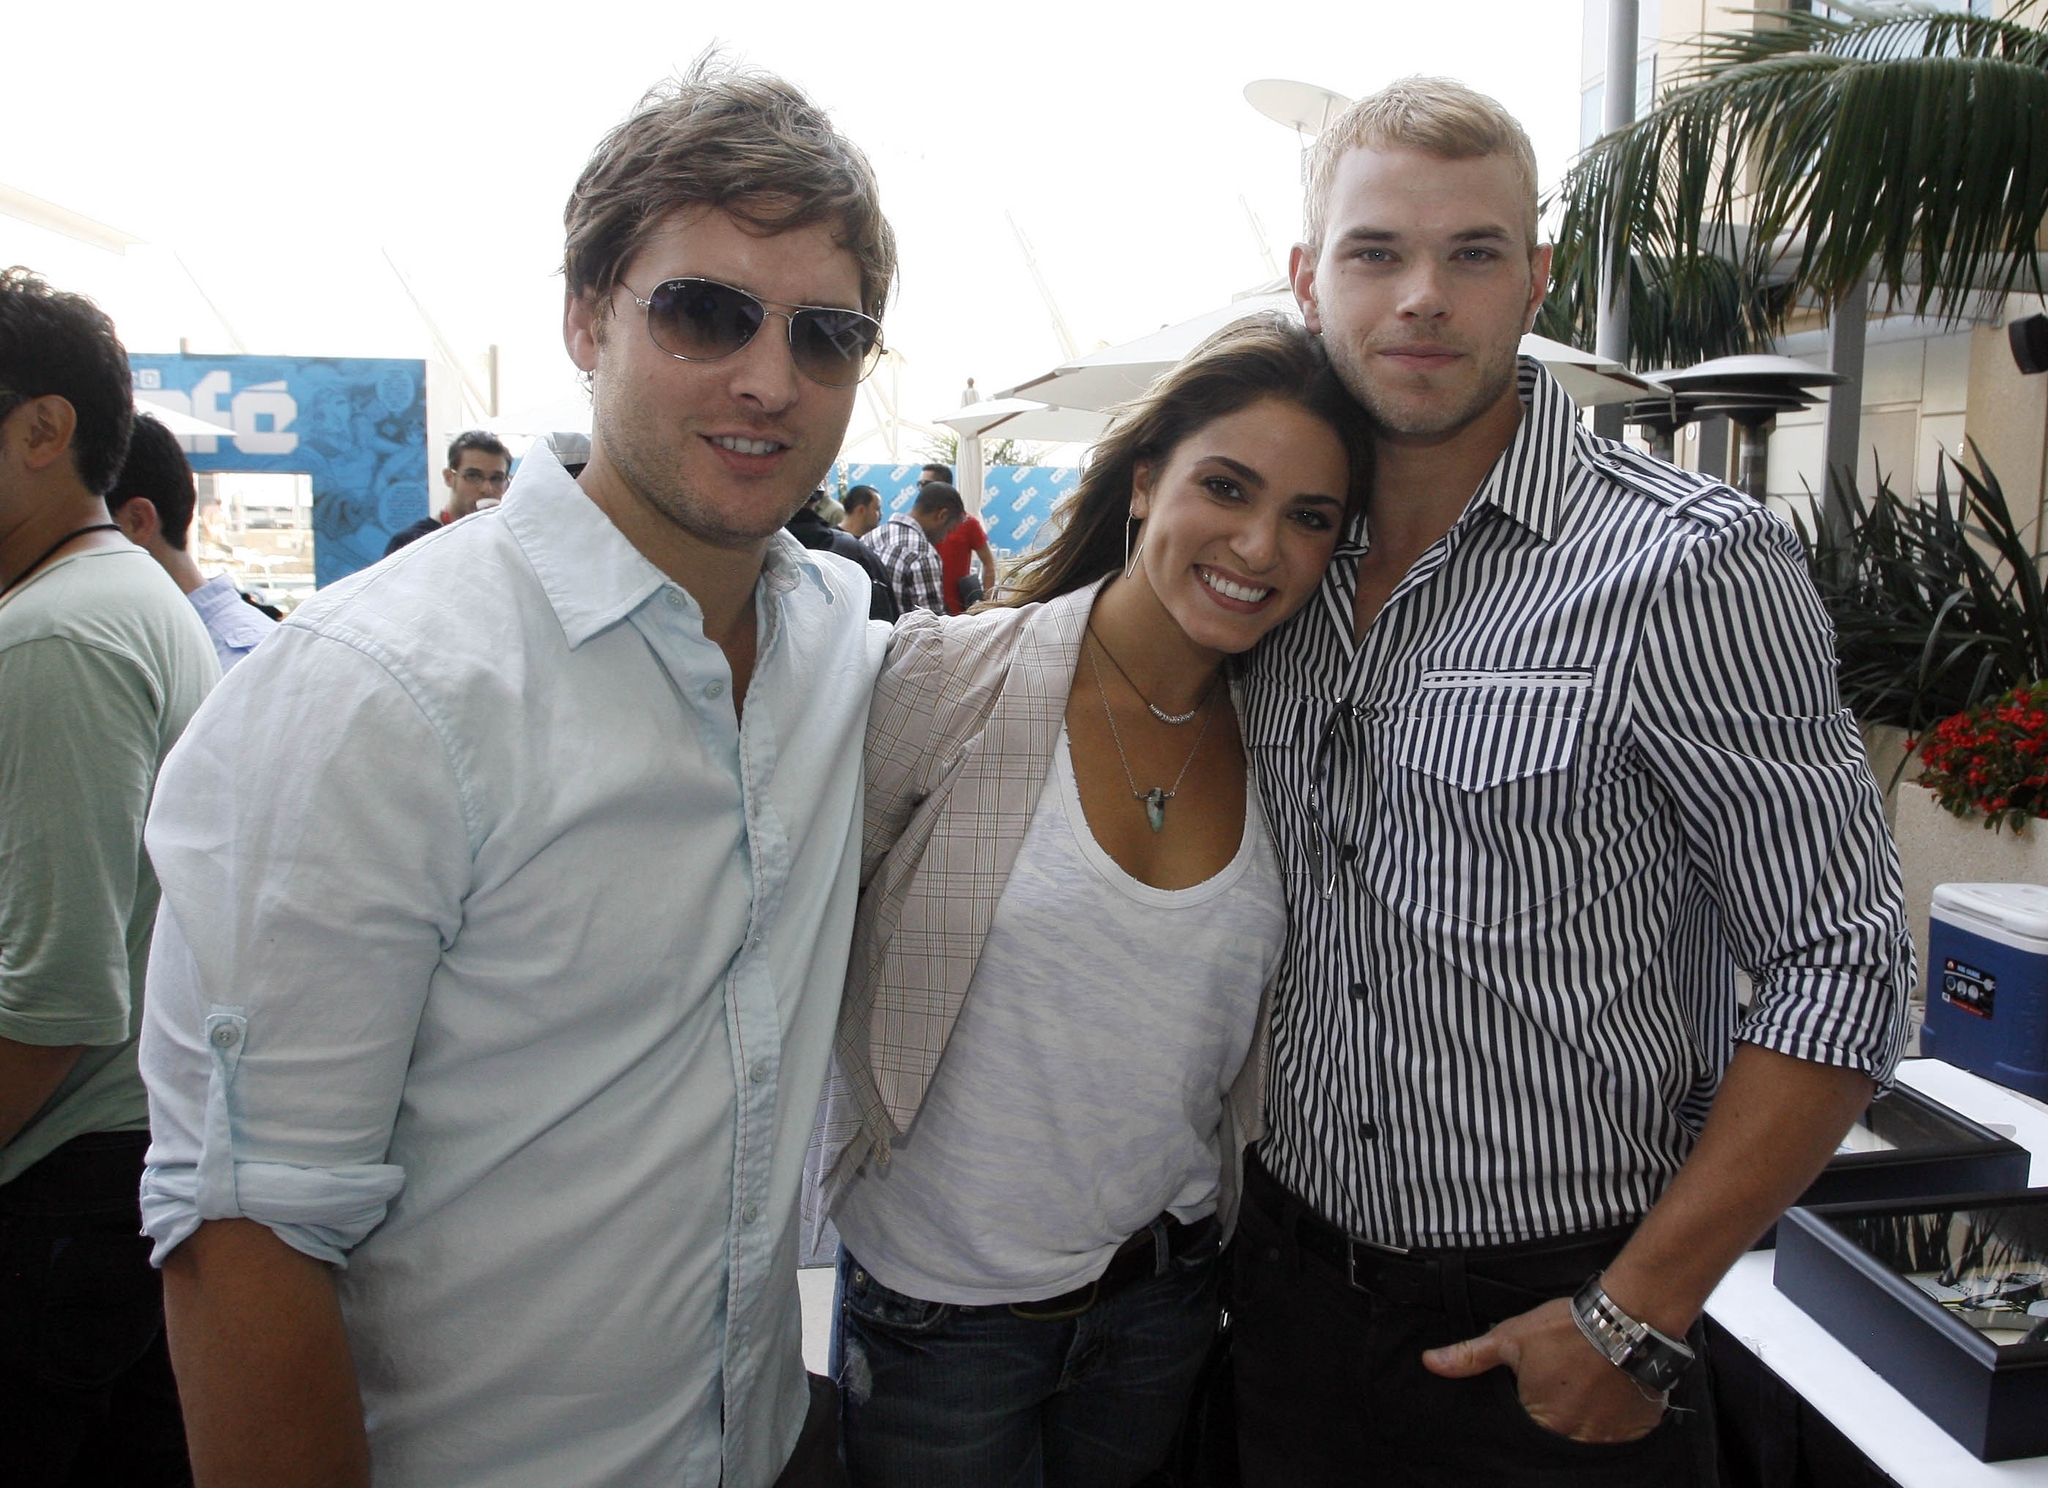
column 311, row 838
column 1737, row 711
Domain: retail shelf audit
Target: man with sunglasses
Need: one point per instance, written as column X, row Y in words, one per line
column 500, row 959
column 1558, row 751
column 478, row 471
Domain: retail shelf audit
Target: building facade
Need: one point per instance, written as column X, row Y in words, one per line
column 1928, row 388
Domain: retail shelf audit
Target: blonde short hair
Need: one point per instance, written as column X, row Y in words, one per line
column 1436, row 116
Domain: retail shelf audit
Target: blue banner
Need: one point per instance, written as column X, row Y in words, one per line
column 356, row 425
column 1017, row 503
column 1016, row 500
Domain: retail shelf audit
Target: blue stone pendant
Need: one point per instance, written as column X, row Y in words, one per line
column 1155, row 808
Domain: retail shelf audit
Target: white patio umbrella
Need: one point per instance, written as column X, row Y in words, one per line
column 1119, row 373
column 182, row 424
column 1021, row 418
column 1590, row 378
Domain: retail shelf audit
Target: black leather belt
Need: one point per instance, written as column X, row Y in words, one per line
column 1488, row 1285
column 1137, row 1259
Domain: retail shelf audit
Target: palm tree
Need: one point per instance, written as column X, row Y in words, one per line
column 1894, row 143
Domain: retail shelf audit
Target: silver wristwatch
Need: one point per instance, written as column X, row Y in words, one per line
column 1653, row 1360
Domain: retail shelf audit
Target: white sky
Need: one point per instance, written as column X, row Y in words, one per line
column 277, row 148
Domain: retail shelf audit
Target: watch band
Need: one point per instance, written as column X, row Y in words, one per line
column 1652, row 1359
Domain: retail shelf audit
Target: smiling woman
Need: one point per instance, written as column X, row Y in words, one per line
column 1090, row 912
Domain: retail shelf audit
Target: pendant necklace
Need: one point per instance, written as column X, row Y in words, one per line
column 1155, row 799
column 1157, row 712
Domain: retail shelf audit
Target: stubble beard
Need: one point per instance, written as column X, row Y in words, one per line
column 1404, row 417
column 656, row 477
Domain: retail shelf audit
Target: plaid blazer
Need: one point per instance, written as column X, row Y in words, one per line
column 960, row 740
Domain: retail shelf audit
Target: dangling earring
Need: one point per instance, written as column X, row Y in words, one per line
column 1131, row 558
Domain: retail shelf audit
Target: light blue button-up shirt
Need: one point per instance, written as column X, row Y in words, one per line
column 236, row 626
column 498, row 963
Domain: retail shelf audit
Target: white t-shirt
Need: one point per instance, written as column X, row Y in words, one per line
column 1082, row 1090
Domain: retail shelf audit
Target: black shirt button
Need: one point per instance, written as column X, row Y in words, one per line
column 1369, row 1130
column 1358, row 991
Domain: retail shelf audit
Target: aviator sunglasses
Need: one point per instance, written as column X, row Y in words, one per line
column 701, row 320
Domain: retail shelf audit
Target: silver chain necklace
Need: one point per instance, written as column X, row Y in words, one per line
column 1155, row 799
column 1157, row 712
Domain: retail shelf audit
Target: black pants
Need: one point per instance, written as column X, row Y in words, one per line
column 86, row 1394
column 1330, row 1387
column 815, row 1462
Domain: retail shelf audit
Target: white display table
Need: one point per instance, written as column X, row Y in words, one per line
column 1879, row 1421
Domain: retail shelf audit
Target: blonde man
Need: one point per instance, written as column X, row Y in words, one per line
column 1559, row 750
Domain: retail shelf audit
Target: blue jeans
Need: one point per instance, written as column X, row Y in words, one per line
column 937, row 1395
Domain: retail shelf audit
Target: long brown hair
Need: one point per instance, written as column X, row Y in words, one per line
column 1247, row 362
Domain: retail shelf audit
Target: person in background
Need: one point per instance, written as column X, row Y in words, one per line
column 479, row 469
column 499, row 961
column 811, row 528
column 829, row 510
column 1557, row 750
column 934, row 475
column 1052, row 1044
column 152, row 500
column 863, row 511
column 102, row 663
column 964, row 545
column 907, row 544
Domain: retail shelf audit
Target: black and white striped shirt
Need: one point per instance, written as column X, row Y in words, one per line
column 1588, row 760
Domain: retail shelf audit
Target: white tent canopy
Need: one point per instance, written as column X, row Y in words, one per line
column 1117, row 374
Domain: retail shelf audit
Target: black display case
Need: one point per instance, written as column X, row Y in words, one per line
column 1910, row 1146
column 1946, row 1298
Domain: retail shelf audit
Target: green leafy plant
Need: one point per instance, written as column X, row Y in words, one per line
column 1895, row 142
column 1992, row 758
column 944, row 449
column 1938, row 605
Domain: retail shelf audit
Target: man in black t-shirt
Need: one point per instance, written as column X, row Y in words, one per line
column 813, row 531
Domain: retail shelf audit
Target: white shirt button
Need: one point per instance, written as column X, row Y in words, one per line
column 226, row 1036
column 675, row 600
column 715, row 690
column 759, row 1072
column 749, row 1213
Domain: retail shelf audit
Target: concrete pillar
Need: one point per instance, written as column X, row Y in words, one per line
column 1839, row 451
column 1618, row 112
column 1713, row 444
column 2007, row 418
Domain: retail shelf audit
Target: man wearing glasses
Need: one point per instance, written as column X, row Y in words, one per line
column 479, row 469
column 499, row 961
column 1558, row 750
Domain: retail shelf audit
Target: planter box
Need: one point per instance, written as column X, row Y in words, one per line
column 1910, row 1146
column 1936, row 848
column 1852, row 1268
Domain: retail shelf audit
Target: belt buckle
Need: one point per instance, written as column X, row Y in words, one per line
column 1058, row 1315
column 1352, row 1246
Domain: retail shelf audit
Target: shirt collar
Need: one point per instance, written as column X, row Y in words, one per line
column 1533, row 476
column 593, row 577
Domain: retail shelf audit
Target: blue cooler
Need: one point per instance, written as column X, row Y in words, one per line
column 1987, row 983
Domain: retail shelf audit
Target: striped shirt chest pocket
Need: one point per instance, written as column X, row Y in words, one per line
column 1475, row 816
column 1477, row 730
